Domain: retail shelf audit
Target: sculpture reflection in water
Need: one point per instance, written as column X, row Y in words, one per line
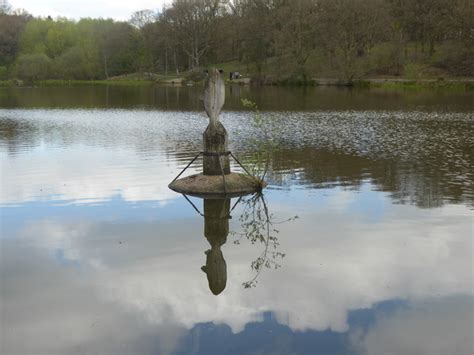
column 257, row 226
column 216, row 229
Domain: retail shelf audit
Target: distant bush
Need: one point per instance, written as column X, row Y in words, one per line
column 412, row 71
column 195, row 75
column 294, row 81
column 32, row 67
column 458, row 61
column 3, row 72
column 386, row 59
column 76, row 64
column 360, row 84
column 6, row 83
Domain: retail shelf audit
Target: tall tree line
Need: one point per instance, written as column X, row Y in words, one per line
column 299, row 38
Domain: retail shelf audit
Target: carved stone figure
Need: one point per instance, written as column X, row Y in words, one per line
column 215, row 160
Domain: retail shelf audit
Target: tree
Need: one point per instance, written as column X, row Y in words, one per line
column 192, row 23
column 34, row 35
column 61, row 36
column 349, row 37
column 461, row 22
column 172, row 52
column 234, row 34
column 350, row 28
column 11, row 27
column 146, row 22
column 140, row 19
column 121, row 47
column 459, row 35
column 295, row 33
column 5, row 7
column 423, row 21
column 32, row 67
column 257, row 32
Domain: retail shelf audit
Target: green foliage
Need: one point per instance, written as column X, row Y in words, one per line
column 75, row 63
column 454, row 86
column 88, row 49
column 412, row 71
column 361, row 84
column 6, row 83
column 299, row 80
column 386, row 59
column 92, row 82
column 3, row 72
column 457, row 59
column 32, row 67
column 258, row 226
column 34, row 36
column 268, row 135
column 11, row 27
column 61, row 36
column 284, row 41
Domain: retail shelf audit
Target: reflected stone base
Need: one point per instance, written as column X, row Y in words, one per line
column 213, row 185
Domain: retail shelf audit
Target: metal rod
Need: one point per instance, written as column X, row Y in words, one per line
column 192, row 204
column 223, row 177
column 243, row 167
column 228, row 216
column 211, row 154
column 187, row 166
column 235, row 204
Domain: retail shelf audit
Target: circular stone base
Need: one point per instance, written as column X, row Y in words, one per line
column 213, row 185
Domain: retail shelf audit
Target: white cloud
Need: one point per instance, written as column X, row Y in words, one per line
column 117, row 9
column 432, row 327
column 100, row 176
column 73, row 166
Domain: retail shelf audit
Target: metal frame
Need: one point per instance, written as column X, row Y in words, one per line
column 218, row 154
column 229, row 216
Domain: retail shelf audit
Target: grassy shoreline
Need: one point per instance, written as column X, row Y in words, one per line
column 55, row 82
column 384, row 83
column 415, row 85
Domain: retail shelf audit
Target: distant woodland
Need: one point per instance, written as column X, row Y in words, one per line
column 302, row 39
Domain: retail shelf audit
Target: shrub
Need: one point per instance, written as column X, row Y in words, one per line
column 3, row 72
column 32, row 67
column 412, row 71
column 457, row 60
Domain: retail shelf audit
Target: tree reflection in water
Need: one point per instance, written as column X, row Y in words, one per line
column 257, row 226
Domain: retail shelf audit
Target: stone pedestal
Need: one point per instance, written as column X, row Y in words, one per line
column 215, row 141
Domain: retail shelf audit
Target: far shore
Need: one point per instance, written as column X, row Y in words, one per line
column 461, row 84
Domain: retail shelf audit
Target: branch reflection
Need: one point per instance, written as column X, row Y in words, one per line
column 257, row 226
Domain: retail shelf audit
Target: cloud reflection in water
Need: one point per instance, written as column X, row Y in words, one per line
column 337, row 263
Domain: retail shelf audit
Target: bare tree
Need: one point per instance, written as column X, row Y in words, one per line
column 141, row 18
column 295, row 31
column 5, row 7
column 192, row 23
column 350, row 28
column 257, row 26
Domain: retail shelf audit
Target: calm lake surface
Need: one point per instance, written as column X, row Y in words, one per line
column 98, row 256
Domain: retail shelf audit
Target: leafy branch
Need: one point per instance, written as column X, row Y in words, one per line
column 265, row 141
column 257, row 226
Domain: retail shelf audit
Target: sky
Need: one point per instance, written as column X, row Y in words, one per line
column 76, row 9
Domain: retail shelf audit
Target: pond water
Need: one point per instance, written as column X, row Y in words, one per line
column 361, row 244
